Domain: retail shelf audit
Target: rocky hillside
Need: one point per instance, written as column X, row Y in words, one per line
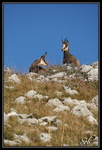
column 58, row 108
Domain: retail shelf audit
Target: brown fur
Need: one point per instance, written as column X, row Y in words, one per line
column 68, row 58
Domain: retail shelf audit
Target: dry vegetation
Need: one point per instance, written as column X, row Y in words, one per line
column 72, row 128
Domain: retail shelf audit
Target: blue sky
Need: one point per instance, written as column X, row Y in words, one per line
column 31, row 29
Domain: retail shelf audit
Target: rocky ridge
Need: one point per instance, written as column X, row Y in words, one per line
column 65, row 104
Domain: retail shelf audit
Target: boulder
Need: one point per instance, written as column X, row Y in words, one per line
column 95, row 64
column 28, row 121
column 70, row 91
column 8, row 70
column 43, row 123
column 9, row 87
column 14, row 78
column 81, row 110
column 53, row 102
column 13, row 113
column 20, row 100
column 62, row 108
column 31, row 74
column 5, row 118
column 12, row 143
column 95, row 100
column 51, row 119
column 92, row 106
column 93, row 74
column 92, row 120
column 25, row 116
column 31, row 94
column 22, row 138
column 70, row 102
column 86, row 68
column 58, row 75
column 73, row 102
column 45, row 137
column 52, row 128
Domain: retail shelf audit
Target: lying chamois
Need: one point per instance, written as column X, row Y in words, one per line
column 68, row 58
column 36, row 65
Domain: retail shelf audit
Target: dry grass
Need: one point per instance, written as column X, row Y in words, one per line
column 72, row 128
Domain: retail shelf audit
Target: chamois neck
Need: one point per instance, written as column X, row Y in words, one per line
column 66, row 52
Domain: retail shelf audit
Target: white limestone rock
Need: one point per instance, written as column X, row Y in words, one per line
column 14, row 78
column 53, row 102
column 92, row 120
column 61, row 108
column 13, row 113
column 5, row 118
column 70, row 102
column 45, row 137
column 40, row 77
column 43, row 123
column 95, row 100
column 92, row 106
column 12, row 143
column 20, row 100
column 93, row 74
column 95, row 64
column 58, row 75
column 22, row 138
column 34, row 94
column 69, row 67
column 52, row 128
column 25, row 116
column 81, row 110
column 51, row 119
column 8, row 70
column 39, row 96
column 31, row 94
column 86, row 68
column 31, row 74
column 9, row 87
column 28, row 121
column 69, row 90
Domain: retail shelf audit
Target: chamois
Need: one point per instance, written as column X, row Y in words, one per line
column 36, row 65
column 67, row 57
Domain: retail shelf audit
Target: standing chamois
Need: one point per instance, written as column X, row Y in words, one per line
column 36, row 65
column 68, row 58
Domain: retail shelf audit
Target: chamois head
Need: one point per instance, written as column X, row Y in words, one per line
column 42, row 61
column 36, row 65
column 65, row 45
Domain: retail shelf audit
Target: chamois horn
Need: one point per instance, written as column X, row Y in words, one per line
column 62, row 40
column 44, row 55
column 66, row 41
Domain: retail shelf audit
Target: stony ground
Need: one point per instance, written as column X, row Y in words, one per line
column 58, row 108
